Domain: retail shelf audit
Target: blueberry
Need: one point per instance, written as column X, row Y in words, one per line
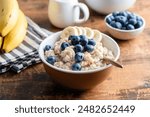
column 132, row 21
column 113, row 24
column 131, row 16
column 121, row 19
column 83, row 40
column 74, row 39
column 123, row 13
column 138, row 24
column 108, row 20
column 89, row 48
column 92, row 42
column 76, row 67
column 64, row 45
column 138, row 18
column 117, row 18
column 115, row 13
column 78, row 48
column 51, row 59
column 79, row 57
column 126, row 24
column 112, row 17
column 130, row 27
column 118, row 25
column 47, row 48
column 71, row 37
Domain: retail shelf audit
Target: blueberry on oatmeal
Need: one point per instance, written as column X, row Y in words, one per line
column 51, row 59
column 78, row 48
column 76, row 67
column 89, row 48
column 64, row 45
column 47, row 48
column 79, row 57
column 83, row 40
column 74, row 39
column 92, row 42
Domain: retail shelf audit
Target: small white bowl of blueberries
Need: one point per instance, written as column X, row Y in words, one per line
column 124, row 25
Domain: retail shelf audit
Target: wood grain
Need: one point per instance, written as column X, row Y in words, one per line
column 132, row 82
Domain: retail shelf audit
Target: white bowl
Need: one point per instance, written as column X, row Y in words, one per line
column 109, row 6
column 78, row 79
column 124, row 34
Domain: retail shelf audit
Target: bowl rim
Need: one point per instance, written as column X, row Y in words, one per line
column 41, row 55
column 88, row 2
column 125, row 31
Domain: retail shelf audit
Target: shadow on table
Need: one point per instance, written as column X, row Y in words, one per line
column 55, row 91
column 39, row 86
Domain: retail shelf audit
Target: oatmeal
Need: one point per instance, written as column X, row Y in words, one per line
column 78, row 49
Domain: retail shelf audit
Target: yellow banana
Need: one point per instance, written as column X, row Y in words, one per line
column 1, row 41
column 16, row 35
column 9, row 11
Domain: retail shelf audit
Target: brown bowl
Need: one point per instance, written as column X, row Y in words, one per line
column 79, row 79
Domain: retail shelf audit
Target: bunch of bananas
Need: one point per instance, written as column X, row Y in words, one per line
column 13, row 25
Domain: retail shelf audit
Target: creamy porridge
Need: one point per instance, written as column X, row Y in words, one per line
column 78, row 49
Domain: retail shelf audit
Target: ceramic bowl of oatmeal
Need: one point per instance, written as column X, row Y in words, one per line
column 74, row 57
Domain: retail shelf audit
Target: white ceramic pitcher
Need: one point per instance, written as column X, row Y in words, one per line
column 63, row 13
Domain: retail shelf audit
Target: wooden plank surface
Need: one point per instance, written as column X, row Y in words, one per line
column 132, row 82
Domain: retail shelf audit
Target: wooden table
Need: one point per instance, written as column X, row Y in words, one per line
column 132, row 82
